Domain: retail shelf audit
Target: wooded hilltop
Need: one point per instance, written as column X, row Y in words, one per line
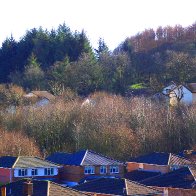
column 119, row 124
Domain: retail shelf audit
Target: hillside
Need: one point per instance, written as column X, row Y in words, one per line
column 45, row 60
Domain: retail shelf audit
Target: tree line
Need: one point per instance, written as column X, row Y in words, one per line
column 59, row 59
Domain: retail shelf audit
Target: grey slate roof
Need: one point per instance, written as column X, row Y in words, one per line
column 116, row 186
column 24, row 162
column 158, row 158
column 138, row 175
column 82, row 158
column 180, row 178
column 177, row 160
column 162, row 158
column 92, row 158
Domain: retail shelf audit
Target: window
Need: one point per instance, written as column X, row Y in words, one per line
column 48, row 171
column 89, row 170
column 22, row 172
column 114, row 169
column 103, row 170
column 34, row 172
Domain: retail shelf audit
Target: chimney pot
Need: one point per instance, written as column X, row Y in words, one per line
column 3, row 191
column 28, row 188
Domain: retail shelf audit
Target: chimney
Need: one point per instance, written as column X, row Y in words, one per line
column 3, row 191
column 28, row 188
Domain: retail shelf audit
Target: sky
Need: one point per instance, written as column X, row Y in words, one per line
column 112, row 20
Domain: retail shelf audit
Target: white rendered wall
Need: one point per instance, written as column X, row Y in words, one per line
column 40, row 172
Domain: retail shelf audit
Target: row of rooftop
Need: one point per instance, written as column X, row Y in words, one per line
column 89, row 173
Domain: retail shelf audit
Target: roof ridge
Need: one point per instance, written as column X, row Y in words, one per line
column 170, row 154
column 190, row 169
column 84, row 157
column 126, row 188
column 17, row 158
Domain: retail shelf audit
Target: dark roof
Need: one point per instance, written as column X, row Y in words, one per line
column 67, row 158
column 93, row 177
column 24, row 162
column 161, row 158
column 116, row 186
column 157, row 158
column 7, row 161
column 180, row 178
column 138, row 175
column 40, row 188
column 83, row 157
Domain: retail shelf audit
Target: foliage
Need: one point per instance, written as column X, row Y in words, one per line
column 137, row 86
column 16, row 143
column 59, row 59
column 11, row 95
column 131, row 127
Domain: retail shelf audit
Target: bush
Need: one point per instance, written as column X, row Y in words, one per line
column 17, row 144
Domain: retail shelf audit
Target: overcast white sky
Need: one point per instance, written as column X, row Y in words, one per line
column 112, row 20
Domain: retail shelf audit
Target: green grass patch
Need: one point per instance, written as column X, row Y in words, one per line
column 137, row 86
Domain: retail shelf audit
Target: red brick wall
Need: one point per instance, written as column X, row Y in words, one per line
column 5, row 175
column 71, row 173
column 131, row 166
column 177, row 191
column 76, row 173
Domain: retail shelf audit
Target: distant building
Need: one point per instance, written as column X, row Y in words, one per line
column 157, row 162
column 39, row 98
column 183, row 93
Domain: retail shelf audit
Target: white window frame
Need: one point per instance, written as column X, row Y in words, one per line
column 114, row 169
column 34, row 172
column 49, row 171
column 89, row 170
column 22, row 172
column 103, row 169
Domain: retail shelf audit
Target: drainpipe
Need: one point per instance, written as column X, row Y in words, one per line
column 11, row 175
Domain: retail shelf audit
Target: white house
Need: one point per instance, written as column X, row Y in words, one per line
column 14, row 168
column 183, row 93
column 40, row 98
